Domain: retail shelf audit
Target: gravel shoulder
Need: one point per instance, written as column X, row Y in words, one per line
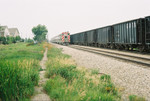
column 120, row 52
column 130, row 78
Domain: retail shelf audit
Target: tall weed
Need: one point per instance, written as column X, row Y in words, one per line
column 19, row 71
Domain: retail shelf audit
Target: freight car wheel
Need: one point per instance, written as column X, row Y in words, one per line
column 131, row 48
column 96, row 45
column 141, row 49
column 112, row 46
column 119, row 47
column 127, row 47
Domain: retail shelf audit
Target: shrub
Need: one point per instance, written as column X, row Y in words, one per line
column 3, row 40
column 18, row 38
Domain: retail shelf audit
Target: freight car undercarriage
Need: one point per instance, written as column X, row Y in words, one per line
column 128, row 47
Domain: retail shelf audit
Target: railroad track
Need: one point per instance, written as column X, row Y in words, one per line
column 144, row 61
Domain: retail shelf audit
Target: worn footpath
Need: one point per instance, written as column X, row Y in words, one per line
column 40, row 95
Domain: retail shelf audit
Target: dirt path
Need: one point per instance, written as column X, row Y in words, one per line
column 40, row 95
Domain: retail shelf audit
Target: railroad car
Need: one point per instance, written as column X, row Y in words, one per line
column 103, row 37
column 63, row 38
column 147, row 31
column 74, row 39
column 130, row 34
column 134, row 34
column 97, row 37
column 78, row 39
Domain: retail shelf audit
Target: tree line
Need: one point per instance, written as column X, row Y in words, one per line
column 9, row 40
column 39, row 31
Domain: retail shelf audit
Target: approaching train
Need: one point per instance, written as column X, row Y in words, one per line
column 134, row 34
column 63, row 38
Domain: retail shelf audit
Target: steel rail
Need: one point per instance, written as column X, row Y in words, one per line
column 91, row 48
column 116, row 57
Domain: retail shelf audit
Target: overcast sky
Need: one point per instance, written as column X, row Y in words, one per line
column 69, row 15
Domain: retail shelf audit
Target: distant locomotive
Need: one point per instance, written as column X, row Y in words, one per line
column 63, row 38
column 134, row 34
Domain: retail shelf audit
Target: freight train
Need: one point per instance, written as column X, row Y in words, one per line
column 129, row 35
column 63, row 38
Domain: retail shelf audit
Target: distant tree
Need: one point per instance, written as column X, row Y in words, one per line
column 3, row 40
column 22, row 40
column 0, row 28
column 18, row 38
column 40, row 32
column 11, row 40
column 30, row 40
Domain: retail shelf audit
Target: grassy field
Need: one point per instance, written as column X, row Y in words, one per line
column 67, row 82
column 19, row 73
column 19, row 70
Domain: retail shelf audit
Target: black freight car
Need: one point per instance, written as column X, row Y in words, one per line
column 103, row 37
column 100, row 37
column 90, row 37
column 126, row 35
column 81, row 39
column 147, row 32
column 74, row 39
column 129, row 34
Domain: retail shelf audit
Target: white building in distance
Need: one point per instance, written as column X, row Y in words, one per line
column 13, row 32
column 4, row 31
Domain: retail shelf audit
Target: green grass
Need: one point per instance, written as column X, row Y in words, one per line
column 19, row 70
column 94, row 71
column 56, row 53
column 105, row 78
column 67, row 82
column 136, row 98
column 20, row 51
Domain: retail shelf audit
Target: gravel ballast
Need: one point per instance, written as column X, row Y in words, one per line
column 129, row 77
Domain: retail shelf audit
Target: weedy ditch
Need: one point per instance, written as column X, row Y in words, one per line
column 69, row 82
column 19, row 70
